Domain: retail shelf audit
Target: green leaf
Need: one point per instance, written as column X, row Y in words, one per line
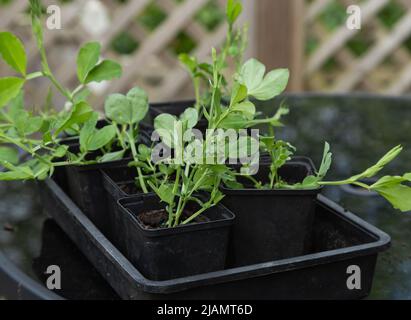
column 22, row 172
column 164, row 124
column 206, row 68
column 112, row 156
column 87, row 59
column 273, row 84
column 144, row 151
column 60, row 151
column 10, row 155
column 128, row 109
column 282, row 111
column 247, row 108
column 100, row 138
column 260, row 87
column 165, row 193
column 80, row 113
column 118, row 108
column 16, row 106
column 203, row 178
column 239, row 93
column 233, row 185
column 13, row 53
column 399, row 195
column 9, row 89
column 106, row 70
column 32, row 125
column 139, row 103
column 233, row 121
column 267, row 142
column 252, row 74
column 15, row 175
column 326, row 161
column 190, row 117
column 372, row 171
column 189, row 62
column 165, row 121
column 310, row 182
column 233, row 10
column 87, row 131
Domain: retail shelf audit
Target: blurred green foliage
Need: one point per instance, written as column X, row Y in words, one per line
column 334, row 15
column 390, row 15
column 211, row 15
column 152, row 16
column 124, row 43
column 183, row 43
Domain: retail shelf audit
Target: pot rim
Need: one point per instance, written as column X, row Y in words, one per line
column 227, row 218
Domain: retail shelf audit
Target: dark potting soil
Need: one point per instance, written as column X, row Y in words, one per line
column 156, row 219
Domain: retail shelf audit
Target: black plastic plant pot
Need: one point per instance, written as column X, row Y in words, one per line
column 272, row 224
column 176, row 109
column 169, row 253
column 118, row 183
column 85, row 187
column 85, row 184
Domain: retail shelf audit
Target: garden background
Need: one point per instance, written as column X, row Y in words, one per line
column 308, row 36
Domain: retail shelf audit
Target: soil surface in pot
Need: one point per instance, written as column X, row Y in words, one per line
column 156, row 219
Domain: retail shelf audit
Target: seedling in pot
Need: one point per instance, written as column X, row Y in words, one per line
column 392, row 188
column 190, row 178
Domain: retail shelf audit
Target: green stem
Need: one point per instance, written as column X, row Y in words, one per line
column 256, row 183
column 344, row 182
column 223, row 116
column 120, row 137
column 196, row 83
column 205, row 207
column 24, row 148
column 196, row 214
column 34, row 75
column 77, row 90
column 182, row 201
column 180, row 207
column 135, row 157
column 58, row 86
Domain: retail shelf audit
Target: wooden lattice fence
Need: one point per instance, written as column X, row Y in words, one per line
column 375, row 58
column 152, row 63
column 308, row 36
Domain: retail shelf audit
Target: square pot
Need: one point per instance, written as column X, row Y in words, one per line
column 118, row 182
column 272, row 224
column 85, row 185
column 169, row 253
